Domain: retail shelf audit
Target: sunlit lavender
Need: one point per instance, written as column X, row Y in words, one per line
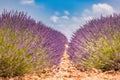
column 97, row 44
column 27, row 46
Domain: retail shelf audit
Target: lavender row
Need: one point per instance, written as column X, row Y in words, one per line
column 96, row 44
column 27, row 46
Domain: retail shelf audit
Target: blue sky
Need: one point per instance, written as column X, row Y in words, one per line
column 65, row 16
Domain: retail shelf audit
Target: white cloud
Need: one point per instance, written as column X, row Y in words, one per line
column 27, row 1
column 65, row 17
column 57, row 18
column 102, row 8
column 54, row 18
column 97, row 10
column 66, row 12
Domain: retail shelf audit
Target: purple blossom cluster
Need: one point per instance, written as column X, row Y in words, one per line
column 25, row 38
column 96, row 43
column 53, row 42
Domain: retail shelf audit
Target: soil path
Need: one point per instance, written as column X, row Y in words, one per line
column 68, row 71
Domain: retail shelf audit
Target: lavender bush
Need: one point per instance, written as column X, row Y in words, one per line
column 97, row 44
column 27, row 46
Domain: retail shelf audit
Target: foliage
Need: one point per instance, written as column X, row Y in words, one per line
column 27, row 46
column 97, row 44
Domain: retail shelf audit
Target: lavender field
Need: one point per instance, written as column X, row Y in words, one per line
column 28, row 47
column 59, row 39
